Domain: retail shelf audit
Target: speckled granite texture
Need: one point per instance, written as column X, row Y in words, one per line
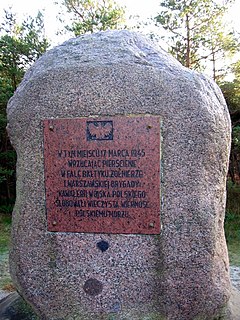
column 181, row 274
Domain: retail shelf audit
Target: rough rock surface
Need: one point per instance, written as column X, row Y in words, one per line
column 182, row 274
column 15, row 308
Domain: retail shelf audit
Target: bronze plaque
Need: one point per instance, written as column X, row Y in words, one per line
column 102, row 175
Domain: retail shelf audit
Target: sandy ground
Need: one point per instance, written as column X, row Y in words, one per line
column 4, row 273
column 235, row 276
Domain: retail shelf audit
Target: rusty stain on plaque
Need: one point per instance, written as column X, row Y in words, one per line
column 102, row 175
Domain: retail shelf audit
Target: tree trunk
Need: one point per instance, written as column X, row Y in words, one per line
column 188, row 60
column 214, row 64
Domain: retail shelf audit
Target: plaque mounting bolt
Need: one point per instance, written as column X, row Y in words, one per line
column 51, row 127
column 151, row 224
column 54, row 223
column 149, row 127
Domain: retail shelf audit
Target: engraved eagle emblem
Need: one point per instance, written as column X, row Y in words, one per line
column 100, row 130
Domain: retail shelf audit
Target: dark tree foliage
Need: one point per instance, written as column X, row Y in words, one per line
column 231, row 92
column 20, row 45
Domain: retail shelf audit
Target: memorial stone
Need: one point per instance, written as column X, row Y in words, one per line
column 121, row 173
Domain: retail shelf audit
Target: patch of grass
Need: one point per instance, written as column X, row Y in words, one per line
column 6, row 208
column 234, row 252
column 6, row 284
column 5, row 228
column 232, row 226
column 232, row 223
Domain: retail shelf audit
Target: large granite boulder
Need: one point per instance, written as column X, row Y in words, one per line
column 181, row 273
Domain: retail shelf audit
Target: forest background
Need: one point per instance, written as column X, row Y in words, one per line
column 198, row 33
